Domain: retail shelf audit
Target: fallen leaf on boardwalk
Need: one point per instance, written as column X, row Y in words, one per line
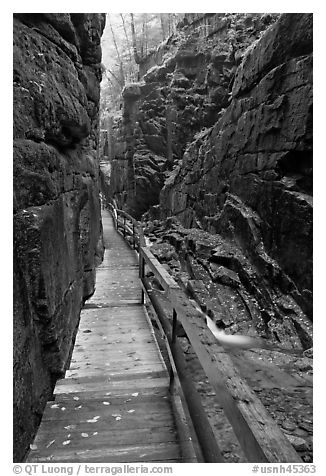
column 76, row 398
column 131, row 411
column 135, row 394
column 93, row 420
column 84, row 435
column 116, row 415
column 56, row 405
column 33, row 447
column 50, row 443
column 106, row 403
column 66, row 442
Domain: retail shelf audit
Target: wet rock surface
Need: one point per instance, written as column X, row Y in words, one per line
column 57, row 228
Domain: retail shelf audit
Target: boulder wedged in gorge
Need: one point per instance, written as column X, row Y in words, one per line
column 57, row 223
column 248, row 177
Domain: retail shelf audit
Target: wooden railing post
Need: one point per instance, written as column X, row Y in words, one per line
column 173, row 341
column 133, row 235
column 141, row 274
column 174, row 326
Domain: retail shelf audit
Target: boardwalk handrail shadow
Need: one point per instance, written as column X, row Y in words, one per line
column 258, row 434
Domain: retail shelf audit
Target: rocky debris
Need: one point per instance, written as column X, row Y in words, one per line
column 227, row 286
column 299, row 444
column 57, row 227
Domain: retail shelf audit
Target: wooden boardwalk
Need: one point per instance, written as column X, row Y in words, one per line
column 114, row 404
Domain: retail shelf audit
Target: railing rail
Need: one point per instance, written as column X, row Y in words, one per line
column 259, row 436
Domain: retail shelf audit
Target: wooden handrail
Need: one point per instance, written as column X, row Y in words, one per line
column 259, row 436
column 204, row 432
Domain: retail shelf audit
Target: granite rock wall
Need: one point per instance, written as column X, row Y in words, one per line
column 184, row 88
column 249, row 177
column 57, row 223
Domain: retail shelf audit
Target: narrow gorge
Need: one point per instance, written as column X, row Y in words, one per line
column 208, row 146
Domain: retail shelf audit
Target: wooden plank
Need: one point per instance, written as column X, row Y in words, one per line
column 117, row 395
column 117, row 354
column 115, row 378
column 124, row 373
column 133, row 454
column 132, row 384
column 114, row 348
column 80, row 412
column 132, row 399
column 112, row 438
column 114, row 311
column 112, row 365
column 130, row 338
column 83, row 422
column 106, row 369
column 114, row 326
column 104, row 345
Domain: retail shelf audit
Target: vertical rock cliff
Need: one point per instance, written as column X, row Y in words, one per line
column 57, row 224
column 184, row 85
column 222, row 141
column 249, row 177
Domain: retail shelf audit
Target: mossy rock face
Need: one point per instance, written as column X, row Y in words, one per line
column 57, row 231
